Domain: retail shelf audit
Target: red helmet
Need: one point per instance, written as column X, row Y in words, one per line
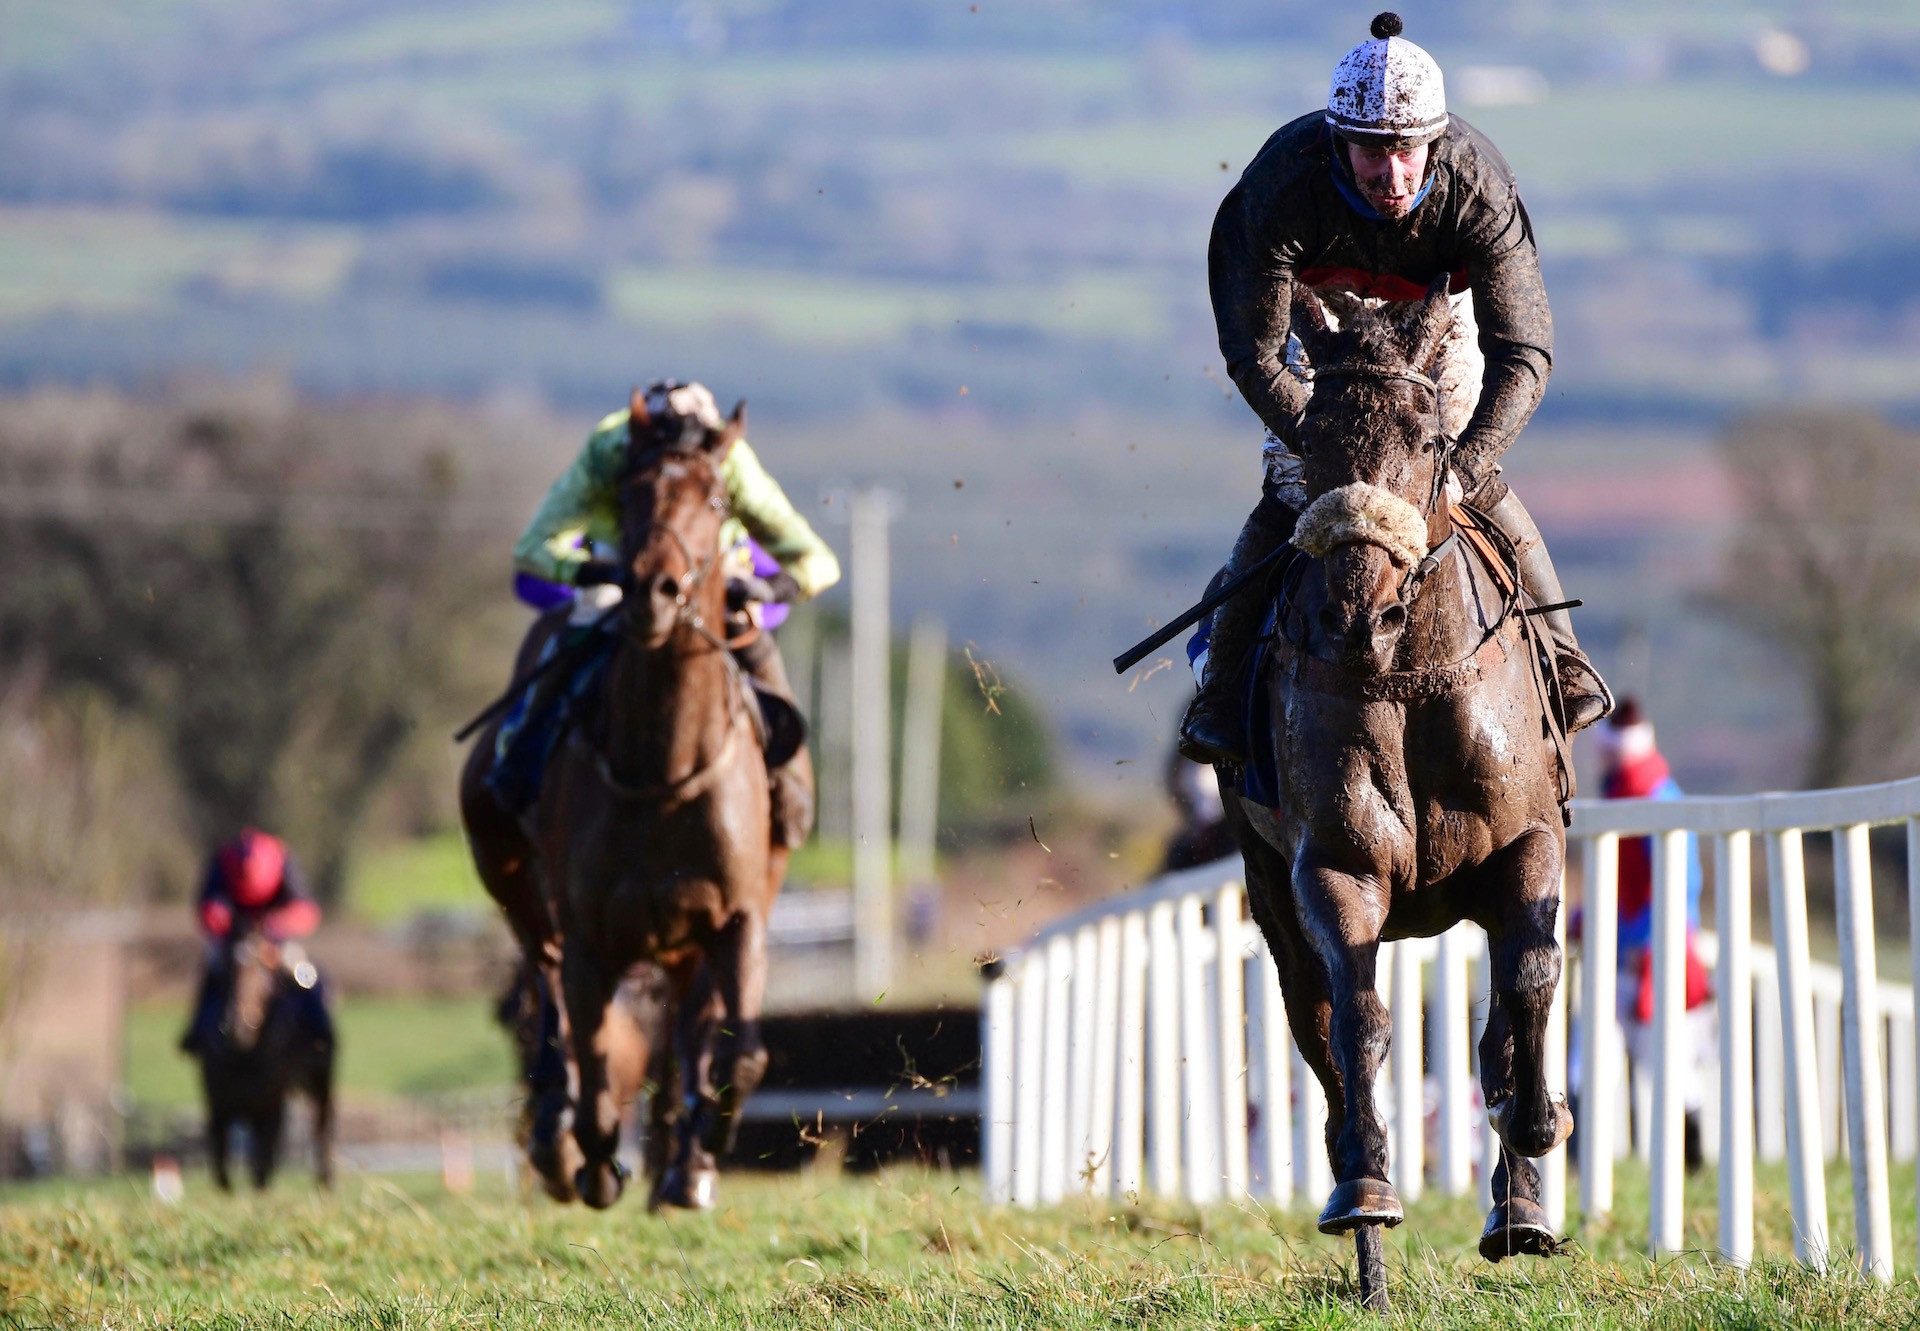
column 254, row 863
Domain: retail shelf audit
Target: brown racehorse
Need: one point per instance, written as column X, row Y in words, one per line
column 263, row 1052
column 650, row 842
column 1417, row 785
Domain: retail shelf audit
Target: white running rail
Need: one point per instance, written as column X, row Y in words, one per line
column 1139, row 1046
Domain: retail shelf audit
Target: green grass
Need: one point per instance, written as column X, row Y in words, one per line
column 389, row 1048
column 909, row 1249
column 393, row 882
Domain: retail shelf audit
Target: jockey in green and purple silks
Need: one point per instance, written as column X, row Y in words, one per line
column 564, row 560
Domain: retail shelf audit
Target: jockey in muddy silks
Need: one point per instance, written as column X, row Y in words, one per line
column 1378, row 195
column 562, row 561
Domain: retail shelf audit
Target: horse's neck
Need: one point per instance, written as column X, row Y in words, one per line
column 666, row 713
column 1446, row 621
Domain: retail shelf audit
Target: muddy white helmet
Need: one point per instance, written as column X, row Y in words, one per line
column 1387, row 92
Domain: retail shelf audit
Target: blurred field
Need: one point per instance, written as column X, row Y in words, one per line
column 904, row 1249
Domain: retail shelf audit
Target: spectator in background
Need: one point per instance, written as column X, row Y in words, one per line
column 1633, row 768
column 1201, row 836
column 253, row 887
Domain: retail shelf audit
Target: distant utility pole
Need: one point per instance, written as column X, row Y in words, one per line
column 920, row 750
column 873, row 916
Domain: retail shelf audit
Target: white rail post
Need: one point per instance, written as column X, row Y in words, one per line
column 997, row 1045
column 1055, row 1146
column 1826, row 1039
column 1082, row 1038
column 1860, row 1038
column 1553, row 1169
column 1913, row 927
column 1408, row 1165
column 1787, row 907
column 1198, row 1081
column 1667, row 1230
column 1903, row 1095
column 1313, row 1172
column 1107, row 1039
column 920, row 750
column 1031, row 981
column 1769, row 1063
column 1486, row 1141
column 1163, row 1052
column 1231, row 1026
column 1130, row 1096
column 874, row 919
column 1452, row 1068
column 1276, row 1065
column 1599, row 967
column 1733, row 888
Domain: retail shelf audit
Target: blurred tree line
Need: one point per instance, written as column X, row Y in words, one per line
column 276, row 594
column 1823, row 563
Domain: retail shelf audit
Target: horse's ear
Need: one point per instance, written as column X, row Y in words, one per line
column 719, row 445
column 1431, row 324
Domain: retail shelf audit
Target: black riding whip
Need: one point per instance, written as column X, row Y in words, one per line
column 1207, row 604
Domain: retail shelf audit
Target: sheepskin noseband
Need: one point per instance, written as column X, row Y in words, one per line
column 1364, row 513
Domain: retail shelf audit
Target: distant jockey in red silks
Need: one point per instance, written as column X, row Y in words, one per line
column 1635, row 769
column 252, row 887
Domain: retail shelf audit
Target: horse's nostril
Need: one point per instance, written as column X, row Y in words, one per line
column 666, row 588
column 1393, row 616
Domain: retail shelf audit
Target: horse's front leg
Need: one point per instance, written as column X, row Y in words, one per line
column 691, row 1178
column 1342, row 915
column 1523, row 882
column 739, row 959
column 596, row 1119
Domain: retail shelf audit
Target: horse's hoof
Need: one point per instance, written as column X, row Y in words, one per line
column 1361, row 1201
column 556, row 1180
column 1534, row 1144
column 1517, row 1228
column 688, row 1189
column 600, row 1186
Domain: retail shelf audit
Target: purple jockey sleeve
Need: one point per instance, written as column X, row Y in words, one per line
column 772, row 615
column 541, row 594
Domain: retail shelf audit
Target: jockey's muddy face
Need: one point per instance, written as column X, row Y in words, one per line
column 1389, row 178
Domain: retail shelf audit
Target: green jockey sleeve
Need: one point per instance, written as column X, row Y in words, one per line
column 579, row 505
column 763, row 509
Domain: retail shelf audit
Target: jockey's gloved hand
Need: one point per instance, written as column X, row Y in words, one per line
column 744, row 590
column 595, row 573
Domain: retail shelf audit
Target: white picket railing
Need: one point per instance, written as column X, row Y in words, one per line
column 1139, row 1046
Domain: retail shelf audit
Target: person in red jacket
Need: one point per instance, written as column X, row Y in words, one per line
column 252, row 886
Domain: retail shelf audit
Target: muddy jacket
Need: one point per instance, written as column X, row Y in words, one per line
column 1297, row 216
column 581, row 508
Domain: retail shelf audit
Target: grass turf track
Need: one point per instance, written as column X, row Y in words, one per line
column 907, row 1249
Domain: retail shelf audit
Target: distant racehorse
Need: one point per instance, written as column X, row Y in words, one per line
column 265, row 1051
column 651, row 842
column 1417, row 786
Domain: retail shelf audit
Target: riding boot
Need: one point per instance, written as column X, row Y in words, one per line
column 1587, row 696
column 533, row 727
column 1213, row 730
column 789, row 767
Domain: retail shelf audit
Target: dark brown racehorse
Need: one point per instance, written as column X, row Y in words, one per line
column 264, row 1052
column 1417, row 785
column 650, row 841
